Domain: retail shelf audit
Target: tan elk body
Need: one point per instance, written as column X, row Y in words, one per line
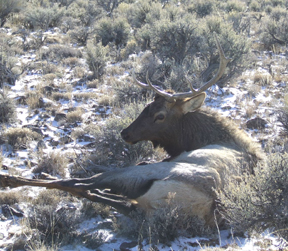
column 204, row 150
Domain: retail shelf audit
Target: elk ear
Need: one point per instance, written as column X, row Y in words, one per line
column 190, row 105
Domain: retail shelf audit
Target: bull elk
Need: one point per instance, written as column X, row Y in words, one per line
column 204, row 149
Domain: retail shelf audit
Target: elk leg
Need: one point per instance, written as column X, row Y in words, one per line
column 76, row 187
column 116, row 201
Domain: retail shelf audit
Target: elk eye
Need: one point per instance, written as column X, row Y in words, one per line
column 159, row 117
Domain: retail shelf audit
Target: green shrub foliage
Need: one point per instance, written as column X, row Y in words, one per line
column 116, row 31
column 7, row 109
column 97, row 59
column 7, row 7
column 44, row 17
column 275, row 32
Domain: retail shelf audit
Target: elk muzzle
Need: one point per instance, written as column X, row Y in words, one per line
column 126, row 136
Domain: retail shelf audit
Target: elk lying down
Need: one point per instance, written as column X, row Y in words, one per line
column 204, row 150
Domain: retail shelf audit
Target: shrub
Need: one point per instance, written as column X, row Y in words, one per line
column 91, row 209
column 254, row 6
column 202, row 8
column 7, row 7
column 44, row 17
column 138, row 13
column 72, row 62
column 109, row 6
column 7, row 109
column 50, row 197
column 20, row 137
column 283, row 115
column 235, row 47
column 277, row 13
column 175, row 40
column 283, row 119
column 46, row 67
column 80, row 35
column 259, row 202
column 235, row 5
column 241, row 23
column 97, row 59
column 274, row 32
column 129, row 49
column 51, row 224
column 54, row 163
column 263, row 79
column 10, row 198
column 75, row 116
column 9, row 73
column 151, row 64
column 59, row 95
column 56, row 51
column 116, row 32
column 163, row 225
column 128, row 92
column 34, row 99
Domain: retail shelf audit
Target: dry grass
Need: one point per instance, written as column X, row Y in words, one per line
column 54, row 163
column 85, row 96
column 20, row 137
column 75, row 116
column 49, row 77
column 77, row 133
column 93, row 84
column 91, row 209
column 51, row 197
column 72, row 62
column 34, row 99
column 62, row 96
column 164, row 225
column 258, row 202
column 262, row 79
column 105, row 100
column 79, row 72
column 10, row 197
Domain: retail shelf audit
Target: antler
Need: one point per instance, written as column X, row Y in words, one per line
column 194, row 92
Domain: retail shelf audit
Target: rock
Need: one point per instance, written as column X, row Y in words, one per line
column 10, row 211
column 41, row 145
column 256, row 123
column 48, row 90
column 21, row 100
column 41, row 103
column 44, row 116
column 66, row 139
column 125, row 246
column 86, row 138
column 34, row 129
column 60, row 116
column 54, row 142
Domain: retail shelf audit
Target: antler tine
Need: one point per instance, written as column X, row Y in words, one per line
column 138, row 82
column 190, row 84
column 169, row 97
column 166, row 95
column 173, row 97
column 223, row 63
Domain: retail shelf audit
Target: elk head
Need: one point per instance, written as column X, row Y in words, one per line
column 162, row 119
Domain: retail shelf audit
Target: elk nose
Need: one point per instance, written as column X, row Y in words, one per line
column 125, row 135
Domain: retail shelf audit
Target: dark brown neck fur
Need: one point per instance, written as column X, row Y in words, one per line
column 205, row 127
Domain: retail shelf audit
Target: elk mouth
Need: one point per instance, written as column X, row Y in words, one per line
column 127, row 138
